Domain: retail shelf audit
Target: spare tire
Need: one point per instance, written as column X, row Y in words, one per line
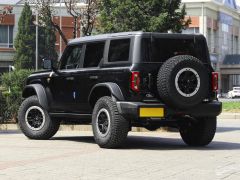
column 183, row 81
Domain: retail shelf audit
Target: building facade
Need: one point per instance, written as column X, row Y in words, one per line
column 219, row 22
column 9, row 29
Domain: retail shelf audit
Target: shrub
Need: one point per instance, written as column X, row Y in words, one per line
column 12, row 86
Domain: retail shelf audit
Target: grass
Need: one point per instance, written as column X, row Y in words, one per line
column 231, row 107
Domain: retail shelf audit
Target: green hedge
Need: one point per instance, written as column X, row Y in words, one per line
column 10, row 93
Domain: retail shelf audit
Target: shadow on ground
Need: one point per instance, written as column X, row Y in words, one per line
column 156, row 143
column 227, row 129
column 10, row 132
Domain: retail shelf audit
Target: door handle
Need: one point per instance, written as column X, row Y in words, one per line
column 69, row 78
column 93, row 77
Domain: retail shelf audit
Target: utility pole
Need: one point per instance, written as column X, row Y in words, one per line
column 60, row 38
column 36, row 65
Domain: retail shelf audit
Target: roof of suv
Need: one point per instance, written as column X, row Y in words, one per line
column 127, row 34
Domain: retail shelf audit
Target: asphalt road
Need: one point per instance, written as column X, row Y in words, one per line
column 157, row 155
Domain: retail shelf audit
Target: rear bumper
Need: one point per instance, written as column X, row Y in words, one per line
column 132, row 109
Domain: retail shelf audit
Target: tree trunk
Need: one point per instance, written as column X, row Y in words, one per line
column 60, row 32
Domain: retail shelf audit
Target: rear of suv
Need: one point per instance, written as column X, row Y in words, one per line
column 124, row 80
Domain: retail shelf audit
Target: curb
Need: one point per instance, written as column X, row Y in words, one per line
column 229, row 116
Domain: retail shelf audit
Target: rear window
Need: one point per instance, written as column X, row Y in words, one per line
column 160, row 49
column 93, row 54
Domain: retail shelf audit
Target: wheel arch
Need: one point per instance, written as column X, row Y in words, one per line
column 39, row 91
column 105, row 89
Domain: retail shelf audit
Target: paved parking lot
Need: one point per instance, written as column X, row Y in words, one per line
column 157, row 155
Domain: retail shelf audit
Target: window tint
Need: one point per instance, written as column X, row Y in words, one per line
column 119, row 50
column 71, row 58
column 93, row 54
column 160, row 49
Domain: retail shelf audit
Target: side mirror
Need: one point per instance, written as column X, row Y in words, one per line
column 47, row 64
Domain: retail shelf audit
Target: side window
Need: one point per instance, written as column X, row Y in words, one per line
column 71, row 58
column 93, row 54
column 119, row 50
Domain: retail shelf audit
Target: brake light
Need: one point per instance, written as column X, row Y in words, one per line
column 135, row 81
column 214, row 81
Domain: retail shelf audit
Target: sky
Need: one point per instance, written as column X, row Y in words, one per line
column 238, row 2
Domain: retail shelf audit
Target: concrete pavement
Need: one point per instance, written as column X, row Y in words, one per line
column 147, row 155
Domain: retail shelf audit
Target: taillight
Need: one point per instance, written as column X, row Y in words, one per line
column 135, row 81
column 214, row 81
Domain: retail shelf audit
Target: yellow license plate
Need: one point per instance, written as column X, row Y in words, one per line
column 151, row 112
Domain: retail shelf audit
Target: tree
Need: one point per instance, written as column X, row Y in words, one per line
column 47, row 8
column 47, row 38
column 12, row 85
column 25, row 40
column 86, row 13
column 147, row 15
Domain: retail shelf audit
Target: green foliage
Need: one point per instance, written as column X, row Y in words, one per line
column 10, row 96
column 231, row 106
column 25, row 40
column 47, row 37
column 147, row 15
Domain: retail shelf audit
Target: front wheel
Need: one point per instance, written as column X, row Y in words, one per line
column 34, row 120
column 110, row 129
column 198, row 131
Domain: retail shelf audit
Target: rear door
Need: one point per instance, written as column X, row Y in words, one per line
column 89, row 74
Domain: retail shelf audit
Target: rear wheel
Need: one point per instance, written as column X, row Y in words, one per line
column 110, row 129
column 198, row 131
column 34, row 120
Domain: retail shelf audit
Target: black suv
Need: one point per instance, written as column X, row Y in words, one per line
column 118, row 81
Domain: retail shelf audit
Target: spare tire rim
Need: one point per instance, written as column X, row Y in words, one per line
column 35, row 118
column 187, row 82
column 103, row 122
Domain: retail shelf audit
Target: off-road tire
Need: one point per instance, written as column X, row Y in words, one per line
column 118, row 128
column 166, row 85
column 49, row 128
column 199, row 132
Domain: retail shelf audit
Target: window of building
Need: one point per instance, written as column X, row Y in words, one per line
column 191, row 30
column 119, row 50
column 94, row 54
column 6, row 36
column 209, row 39
column 235, row 79
column 215, row 41
column 235, row 45
column 225, row 28
column 71, row 58
column 225, row 39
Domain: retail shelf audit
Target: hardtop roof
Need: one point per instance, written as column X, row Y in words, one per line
column 130, row 34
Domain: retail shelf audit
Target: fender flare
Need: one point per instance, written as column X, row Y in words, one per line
column 40, row 91
column 112, row 87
